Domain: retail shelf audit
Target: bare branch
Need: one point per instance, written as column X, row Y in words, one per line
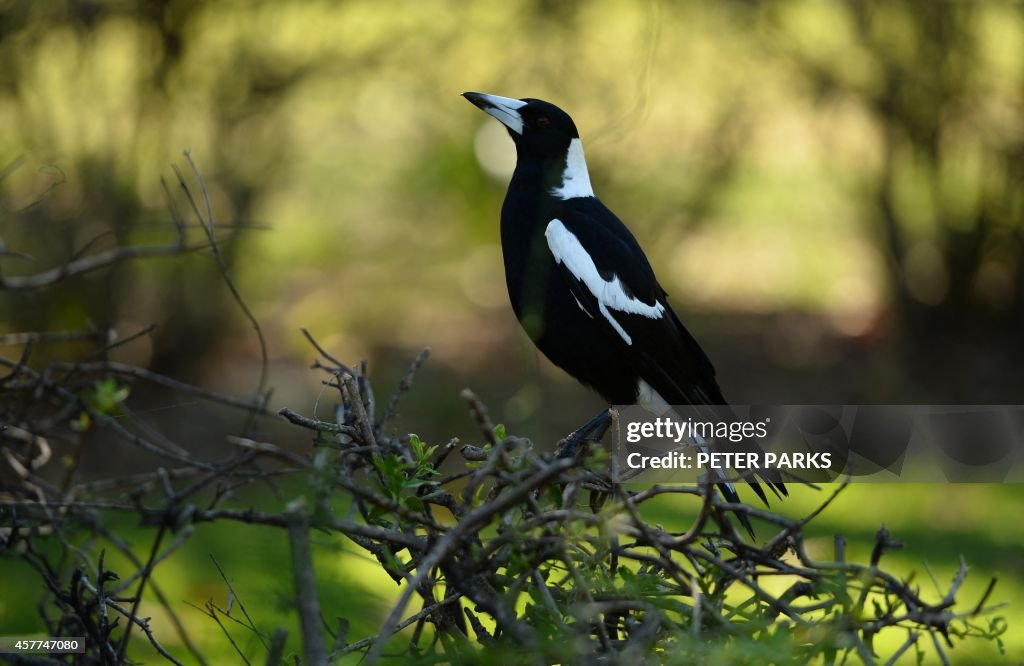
column 95, row 262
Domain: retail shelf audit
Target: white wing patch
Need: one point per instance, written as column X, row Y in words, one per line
column 575, row 178
column 610, row 294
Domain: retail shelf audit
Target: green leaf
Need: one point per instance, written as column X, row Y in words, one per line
column 106, row 396
column 517, row 564
column 392, row 561
column 376, row 514
column 391, row 469
column 478, row 495
column 416, row 444
column 82, row 423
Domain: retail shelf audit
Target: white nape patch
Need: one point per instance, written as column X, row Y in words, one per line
column 650, row 399
column 505, row 110
column 568, row 250
column 575, row 178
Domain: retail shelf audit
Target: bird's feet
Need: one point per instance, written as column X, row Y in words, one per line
column 590, row 432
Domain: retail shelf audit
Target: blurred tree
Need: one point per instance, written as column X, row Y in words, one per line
column 944, row 85
column 769, row 154
column 84, row 86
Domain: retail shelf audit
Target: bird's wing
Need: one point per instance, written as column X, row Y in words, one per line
column 611, row 279
column 609, row 276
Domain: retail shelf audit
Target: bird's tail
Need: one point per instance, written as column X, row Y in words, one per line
column 729, row 492
column 771, row 477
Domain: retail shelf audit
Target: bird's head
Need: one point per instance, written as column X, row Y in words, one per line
column 540, row 129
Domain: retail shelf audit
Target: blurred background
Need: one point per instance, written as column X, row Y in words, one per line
column 832, row 194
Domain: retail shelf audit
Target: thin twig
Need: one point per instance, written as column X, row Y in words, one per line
column 208, row 225
column 403, row 387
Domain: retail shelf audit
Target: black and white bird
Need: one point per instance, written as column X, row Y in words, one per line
column 583, row 289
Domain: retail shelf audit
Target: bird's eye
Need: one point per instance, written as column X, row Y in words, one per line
column 543, row 122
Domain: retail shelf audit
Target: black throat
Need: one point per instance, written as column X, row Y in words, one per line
column 528, row 208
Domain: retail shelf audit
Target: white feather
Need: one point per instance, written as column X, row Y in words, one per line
column 575, row 178
column 581, row 306
column 651, row 400
column 615, row 324
column 610, row 294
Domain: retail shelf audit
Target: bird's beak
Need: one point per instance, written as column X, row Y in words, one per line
column 505, row 109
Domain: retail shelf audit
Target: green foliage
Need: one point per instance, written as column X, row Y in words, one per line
column 400, row 479
column 562, row 567
column 103, row 400
column 107, row 396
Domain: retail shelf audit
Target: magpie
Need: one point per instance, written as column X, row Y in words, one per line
column 583, row 289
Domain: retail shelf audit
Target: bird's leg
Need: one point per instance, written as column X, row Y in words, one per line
column 591, row 431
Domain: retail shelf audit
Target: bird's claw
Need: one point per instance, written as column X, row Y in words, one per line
column 590, row 432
